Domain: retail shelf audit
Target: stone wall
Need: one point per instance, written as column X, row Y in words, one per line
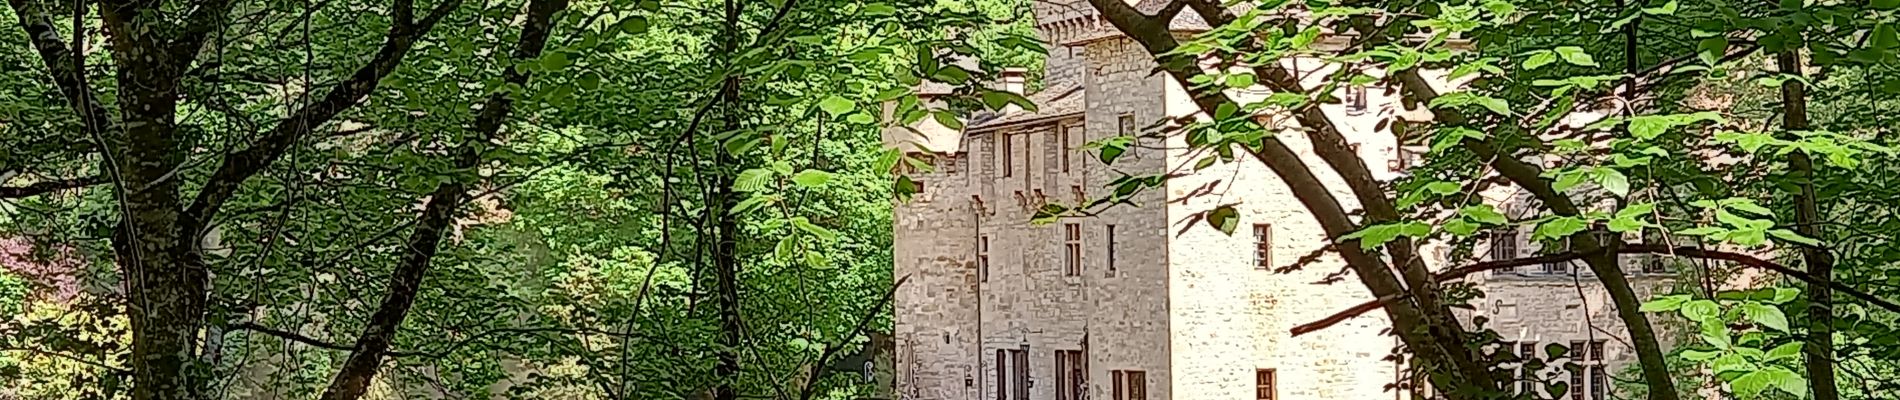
column 1231, row 317
column 1130, row 324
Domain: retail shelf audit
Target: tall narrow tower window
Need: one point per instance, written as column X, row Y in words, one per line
column 1072, row 244
column 1263, row 246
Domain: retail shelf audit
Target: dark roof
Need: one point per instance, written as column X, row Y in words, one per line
column 1062, row 99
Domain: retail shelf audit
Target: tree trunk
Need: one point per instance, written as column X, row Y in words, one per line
column 1819, row 349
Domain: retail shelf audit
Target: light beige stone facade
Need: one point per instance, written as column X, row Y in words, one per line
column 1157, row 291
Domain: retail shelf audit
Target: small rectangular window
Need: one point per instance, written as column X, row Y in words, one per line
column 1526, row 350
column 1129, row 385
column 1263, row 246
column 1503, row 247
column 1356, row 100
column 983, row 258
column 1576, row 385
column 1062, row 134
column 1264, row 384
column 1125, row 126
column 1008, row 153
column 1111, row 250
column 1072, row 242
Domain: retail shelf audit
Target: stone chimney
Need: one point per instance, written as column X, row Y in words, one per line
column 1015, row 80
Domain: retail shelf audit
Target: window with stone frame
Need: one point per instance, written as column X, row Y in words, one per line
column 1129, row 385
column 1525, row 376
column 983, row 258
column 1589, row 357
column 1072, row 244
column 1503, row 247
column 1263, row 246
column 1008, row 154
column 1071, row 375
column 1264, row 384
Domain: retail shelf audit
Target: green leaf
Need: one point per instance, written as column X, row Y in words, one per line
column 1558, row 228
column 1885, row 37
column 819, row 232
column 1224, row 218
column 860, row 118
column 1539, row 59
column 1576, row 56
column 1784, row 295
column 1699, row 355
column 1240, row 81
column 1791, row 236
column 816, row 259
column 811, row 178
column 634, row 25
column 879, row 9
column 836, row 105
column 1461, row 227
column 1700, row 310
column 1555, row 351
column 1788, row 381
column 1648, row 127
column 1766, row 315
column 1666, row 8
column 1712, row 49
column 589, row 80
column 752, row 179
column 1784, row 351
column 1750, row 385
column 555, row 61
column 947, row 119
column 1372, row 237
column 1886, row 4
column 1613, row 181
column 786, row 245
column 1665, row 303
column 1484, row 213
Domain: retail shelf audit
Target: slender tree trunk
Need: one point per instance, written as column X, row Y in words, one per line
column 1819, row 348
column 725, row 252
column 360, row 369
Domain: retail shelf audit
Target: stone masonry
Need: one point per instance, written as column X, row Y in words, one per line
column 1157, row 291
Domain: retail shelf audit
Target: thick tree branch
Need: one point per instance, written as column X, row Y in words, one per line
column 240, row 166
column 61, row 64
column 38, row 188
column 405, row 282
column 1692, row 252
